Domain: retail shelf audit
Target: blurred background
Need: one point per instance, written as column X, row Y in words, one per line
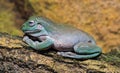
column 100, row 18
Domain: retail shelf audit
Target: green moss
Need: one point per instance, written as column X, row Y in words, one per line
column 113, row 57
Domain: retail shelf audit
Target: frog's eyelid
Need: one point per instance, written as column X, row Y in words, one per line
column 30, row 22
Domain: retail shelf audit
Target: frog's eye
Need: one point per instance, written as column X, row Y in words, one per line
column 31, row 23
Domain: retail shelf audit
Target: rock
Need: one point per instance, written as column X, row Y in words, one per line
column 17, row 57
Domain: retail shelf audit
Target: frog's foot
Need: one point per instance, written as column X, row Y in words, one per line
column 66, row 54
column 38, row 45
column 77, row 56
column 69, row 54
column 83, row 51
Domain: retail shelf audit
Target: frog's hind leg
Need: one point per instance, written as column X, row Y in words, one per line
column 83, row 51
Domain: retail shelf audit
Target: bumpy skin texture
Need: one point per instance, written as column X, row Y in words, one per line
column 41, row 34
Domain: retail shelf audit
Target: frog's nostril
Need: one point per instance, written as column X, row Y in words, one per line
column 89, row 41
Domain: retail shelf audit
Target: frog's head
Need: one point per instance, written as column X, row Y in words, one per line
column 35, row 26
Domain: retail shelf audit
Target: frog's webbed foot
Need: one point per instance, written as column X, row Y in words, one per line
column 77, row 56
column 83, row 51
column 68, row 54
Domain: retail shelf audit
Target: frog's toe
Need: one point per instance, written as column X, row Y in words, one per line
column 67, row 54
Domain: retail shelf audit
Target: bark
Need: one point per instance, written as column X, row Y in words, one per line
column 17, row 57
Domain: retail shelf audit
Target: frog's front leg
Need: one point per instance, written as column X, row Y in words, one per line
column 38, row 45
column 83, row 51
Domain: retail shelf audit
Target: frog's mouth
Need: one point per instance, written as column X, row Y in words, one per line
column 31, row 32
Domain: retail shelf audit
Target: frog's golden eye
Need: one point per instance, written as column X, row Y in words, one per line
column 31, row 23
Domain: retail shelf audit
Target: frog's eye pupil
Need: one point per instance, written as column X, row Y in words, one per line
column 31, row 23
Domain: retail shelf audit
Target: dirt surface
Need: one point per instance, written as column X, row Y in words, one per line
column 17, row 57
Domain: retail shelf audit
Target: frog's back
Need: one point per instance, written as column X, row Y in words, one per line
column 69, row 32
column 67, row 36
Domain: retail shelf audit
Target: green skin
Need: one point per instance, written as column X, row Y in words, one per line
column 69, row 41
